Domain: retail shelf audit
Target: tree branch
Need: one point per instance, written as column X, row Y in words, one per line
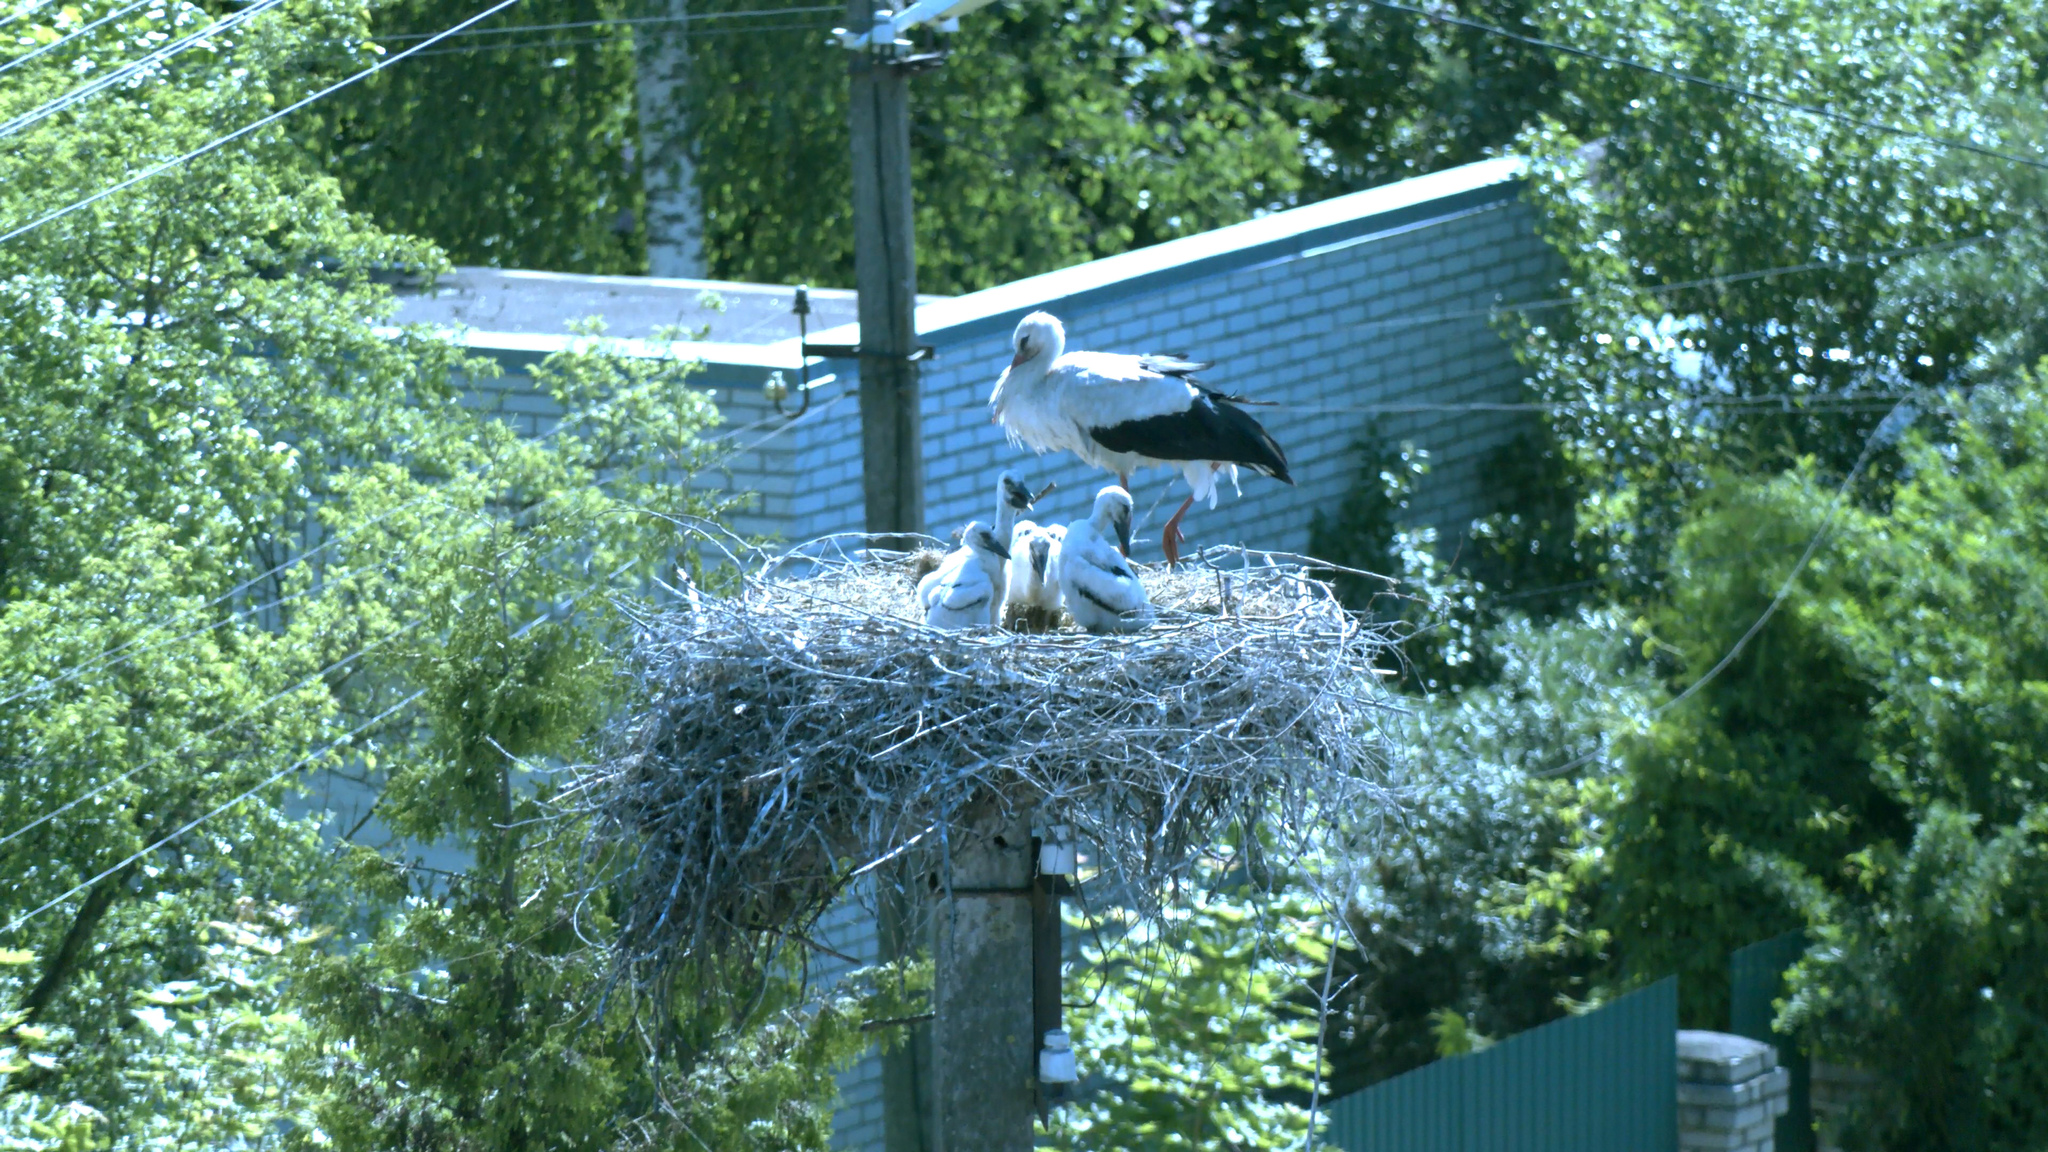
column 77, row 940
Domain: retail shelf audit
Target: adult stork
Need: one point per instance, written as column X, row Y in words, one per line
column 1121, row 412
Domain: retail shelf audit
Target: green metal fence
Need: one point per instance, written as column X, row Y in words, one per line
column 1756, row 978
column 1603, row 1082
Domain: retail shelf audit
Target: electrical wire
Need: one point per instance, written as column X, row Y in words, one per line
column 190, row 740
column 625, row 21
column 551, row 613
column 115, row 655
column 109, row 659
column 1789, row 401
column 25, row 13
column 230, row 594
column 273, row 778
column 1717, row 281
column 224, row 140
column 1784, row 590
column 53, row 45
column 468, row 49
column 1715, row 85
column 127, row 72
column 1870, row 443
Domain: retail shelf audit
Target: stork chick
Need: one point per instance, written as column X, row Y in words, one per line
column 967, row 589
column 1096, row 582
column 1013, row 499
column 1032, row 601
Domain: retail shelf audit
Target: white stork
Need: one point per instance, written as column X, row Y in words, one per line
column 1012, row 499
column 1096, row 582
column 1121, row 413
column 1034, row 571
column 966, row 590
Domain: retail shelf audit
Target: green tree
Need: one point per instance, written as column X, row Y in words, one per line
column 1475, row 919
column 1925, row 969
column 1194, row 1037
column 1052, row 135
column 1391, row 94
column 504, row 147
column 246, row 534
column 1707, row 416
column 1678, row 361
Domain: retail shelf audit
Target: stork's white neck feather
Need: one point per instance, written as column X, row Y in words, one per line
column 1039, row 340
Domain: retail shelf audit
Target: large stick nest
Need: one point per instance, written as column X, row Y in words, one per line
column 802, row 732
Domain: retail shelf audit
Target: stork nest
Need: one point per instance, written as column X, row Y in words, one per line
column 800, row 732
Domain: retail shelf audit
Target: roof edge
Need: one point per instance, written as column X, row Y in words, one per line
column 531, row 347
column 1281, row 235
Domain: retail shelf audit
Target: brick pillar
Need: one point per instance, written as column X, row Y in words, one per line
column 1730, row 1093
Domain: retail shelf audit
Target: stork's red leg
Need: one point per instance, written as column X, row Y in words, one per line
column 1170, row 538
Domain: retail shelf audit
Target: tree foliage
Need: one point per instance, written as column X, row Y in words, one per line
column 1760, row 299
column 1053, row 134
column 248, row 534
column 1193, row 1036
column 504, row 147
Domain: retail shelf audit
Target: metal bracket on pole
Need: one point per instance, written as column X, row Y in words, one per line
column 885, row 35
column 851, row 351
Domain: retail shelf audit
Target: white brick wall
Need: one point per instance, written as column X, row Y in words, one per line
column 1308, row 333
column 850, row 928
column 1321, row 311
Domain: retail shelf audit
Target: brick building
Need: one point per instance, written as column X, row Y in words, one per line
column 1368, row 307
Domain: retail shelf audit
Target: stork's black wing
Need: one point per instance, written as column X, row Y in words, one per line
column 1212, row 428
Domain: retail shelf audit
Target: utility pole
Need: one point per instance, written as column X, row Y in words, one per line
column 969, row 1082
column 984, row 1074
column 885, row 272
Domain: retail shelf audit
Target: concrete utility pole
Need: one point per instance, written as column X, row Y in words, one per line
column 885, row 272
column 974, row 1086
column 983, row 1054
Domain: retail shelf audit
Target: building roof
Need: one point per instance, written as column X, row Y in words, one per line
column 1309, row 230
column 520, row 317
column 519, row 303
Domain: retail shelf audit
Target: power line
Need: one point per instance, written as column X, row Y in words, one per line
column 1790, row 401
column 25, row 13
column 1715, row 85
column 111, row 658
column 1826, row 525
column 549, row 614
column 469, row 49
column 53, row 45
column 1870, row 443
column 322, row 673
column 115, row 655
column 126, row 72
column 221, row 141
column 273, row 778
column 230, row 594
column 189, row 740
column 1416, row 319
column 625, row 21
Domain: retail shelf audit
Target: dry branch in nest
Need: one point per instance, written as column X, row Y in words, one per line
column 801, row 732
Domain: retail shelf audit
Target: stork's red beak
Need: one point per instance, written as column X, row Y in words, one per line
column 1019, row 358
